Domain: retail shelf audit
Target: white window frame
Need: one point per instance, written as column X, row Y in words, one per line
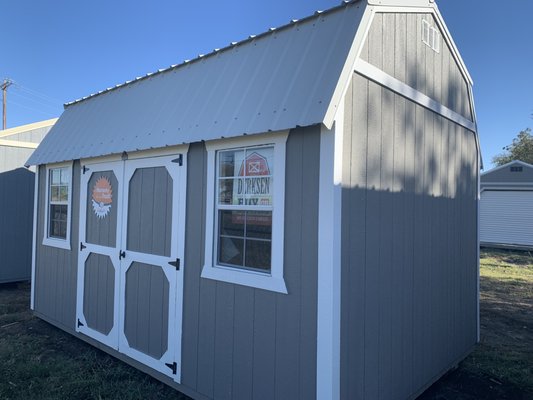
column 274, row 280
column 52, row 241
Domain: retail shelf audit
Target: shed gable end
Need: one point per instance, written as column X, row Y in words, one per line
column 413, row 48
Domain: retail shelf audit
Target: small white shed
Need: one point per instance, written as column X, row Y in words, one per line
column 506, row 206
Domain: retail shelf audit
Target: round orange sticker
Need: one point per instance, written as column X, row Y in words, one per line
column 102, row 197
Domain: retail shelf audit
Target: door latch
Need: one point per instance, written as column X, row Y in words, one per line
column 121, row 254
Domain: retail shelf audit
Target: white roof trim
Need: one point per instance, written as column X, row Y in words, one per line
column 346, row 74
column 27, row 127
column 505, row 166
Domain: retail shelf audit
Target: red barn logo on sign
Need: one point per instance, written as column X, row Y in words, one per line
column 254, row 186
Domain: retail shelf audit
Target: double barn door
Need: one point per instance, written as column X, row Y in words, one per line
column 130, row 282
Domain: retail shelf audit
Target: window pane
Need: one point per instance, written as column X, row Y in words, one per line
column 55, row 176
column 54, row 193
column 63, row 193
column 258, row 254
column 226, row 193
column 227, row 162
column 65, row 176
column 231, row 223
column 259, row 224
column 58, row 212
column 58, row 221
column 230, row 251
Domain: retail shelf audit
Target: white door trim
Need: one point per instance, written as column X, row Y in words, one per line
column 174, row 277
column 110, row 339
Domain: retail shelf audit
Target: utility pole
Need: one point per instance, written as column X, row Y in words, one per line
column 7, row 83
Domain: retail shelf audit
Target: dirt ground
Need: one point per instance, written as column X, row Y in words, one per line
column 39, row 361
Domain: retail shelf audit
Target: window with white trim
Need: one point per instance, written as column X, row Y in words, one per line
column 244, row 224
column 58, row 209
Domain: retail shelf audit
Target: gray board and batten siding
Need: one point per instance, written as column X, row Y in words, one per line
column 409, row 232
column 238, row 342
column 55, row 282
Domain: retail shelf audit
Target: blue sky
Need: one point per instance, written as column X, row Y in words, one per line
column 57, row 51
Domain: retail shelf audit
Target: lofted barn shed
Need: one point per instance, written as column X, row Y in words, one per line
column 506, row 206
column 293, row 216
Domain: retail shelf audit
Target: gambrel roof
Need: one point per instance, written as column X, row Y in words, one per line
column 277, row 80
column 286, row 77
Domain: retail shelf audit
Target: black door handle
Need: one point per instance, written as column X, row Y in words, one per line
column 121, row 254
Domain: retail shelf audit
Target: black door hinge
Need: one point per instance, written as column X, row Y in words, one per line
column 79, row 323
column 121, row 254
column 173, row 367
column 178, row 160
column 82, row 246
column 85, row 169
column 175, row 264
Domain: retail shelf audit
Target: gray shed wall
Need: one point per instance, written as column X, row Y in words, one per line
column 505, row 175
column 394, row 44
column 245, row 343
column 56, row 269
column 16, row 224
column 409, row 245
column 238, row 342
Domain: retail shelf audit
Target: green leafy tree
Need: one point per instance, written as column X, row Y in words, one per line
column 521, row 149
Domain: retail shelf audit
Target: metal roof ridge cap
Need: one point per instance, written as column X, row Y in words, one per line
column 250, row 38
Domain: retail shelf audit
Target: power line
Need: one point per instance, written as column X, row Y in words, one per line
column 31, row 108
column 38, row 101
column 36, row 93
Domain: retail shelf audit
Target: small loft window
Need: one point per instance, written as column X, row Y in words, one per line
column 430, row 36
column 516, row 169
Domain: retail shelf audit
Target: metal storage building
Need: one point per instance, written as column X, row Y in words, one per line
column 16, row 198
column 506, row 206
column 293, row 216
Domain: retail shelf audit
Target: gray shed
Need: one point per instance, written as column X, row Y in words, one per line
column 16, row 198
column 293, row 216
column 506, row 206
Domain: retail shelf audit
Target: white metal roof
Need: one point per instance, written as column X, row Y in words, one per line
column 277, row 80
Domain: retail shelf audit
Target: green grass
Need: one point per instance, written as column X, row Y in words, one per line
column 505, row 351
column 38, row 361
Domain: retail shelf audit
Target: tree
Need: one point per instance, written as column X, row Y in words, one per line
column 521, row 149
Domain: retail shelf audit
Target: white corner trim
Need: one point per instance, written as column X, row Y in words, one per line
column 34, row 237
column 377, row 75
column 53, row 242
column 329, row 261
column 273, row 281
